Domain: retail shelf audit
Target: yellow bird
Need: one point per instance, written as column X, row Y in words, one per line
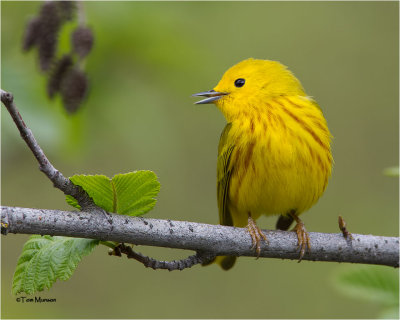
column 274, row 155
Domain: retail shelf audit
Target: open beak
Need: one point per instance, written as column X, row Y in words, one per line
column 211, row 96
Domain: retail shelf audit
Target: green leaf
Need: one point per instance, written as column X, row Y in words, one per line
column 98, row 188
column 128, row 194
column 45, row 259
column 72, row 202
column 135, row 192
column 372, row 283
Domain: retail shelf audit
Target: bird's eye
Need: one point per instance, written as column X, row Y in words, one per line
column 239, row 82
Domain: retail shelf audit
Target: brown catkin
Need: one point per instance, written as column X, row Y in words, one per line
column 32, row 34
column 74, row 88
column 50, row 23
column 82, row 41
column 57, row 74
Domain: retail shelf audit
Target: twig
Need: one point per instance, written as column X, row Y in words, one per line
column 59, row 181
column 198, row 258
column 214, row 239
column 81, row 13
column 343, row 227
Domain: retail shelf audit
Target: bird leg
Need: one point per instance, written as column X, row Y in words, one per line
column 303, row 239
column 256, row 235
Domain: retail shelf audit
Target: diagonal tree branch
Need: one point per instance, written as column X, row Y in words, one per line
column 200, row 237
column 55, row 176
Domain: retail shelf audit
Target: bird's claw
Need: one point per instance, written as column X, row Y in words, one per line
column 303, row 239
column 256, row 235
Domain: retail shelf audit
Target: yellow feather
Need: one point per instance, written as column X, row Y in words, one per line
column 274, row 155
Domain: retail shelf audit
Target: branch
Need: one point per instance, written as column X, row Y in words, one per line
column 213, row 239
column 59, row 181
column 198, row 258
column 207, row 240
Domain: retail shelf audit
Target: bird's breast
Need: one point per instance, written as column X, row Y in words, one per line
column 280, row 162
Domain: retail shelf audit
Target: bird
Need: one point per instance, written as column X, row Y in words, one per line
column 274, row 154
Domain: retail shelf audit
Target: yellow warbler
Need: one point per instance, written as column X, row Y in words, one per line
column 274, row 154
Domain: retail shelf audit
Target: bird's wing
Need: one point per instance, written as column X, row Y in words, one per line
column 224, row 171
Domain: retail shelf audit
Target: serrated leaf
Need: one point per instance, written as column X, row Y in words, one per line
column 372, row 283
column 98, row 188
column 72, row 202
column 135, row 192
column 131, row 193
column 45, row 259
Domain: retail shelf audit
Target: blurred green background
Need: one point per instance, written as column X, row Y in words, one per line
column 148, row 58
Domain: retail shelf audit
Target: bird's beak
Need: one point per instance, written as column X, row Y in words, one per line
column 211, row 96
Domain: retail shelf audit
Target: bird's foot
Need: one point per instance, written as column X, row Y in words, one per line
column 303, row 239
column 256, row 235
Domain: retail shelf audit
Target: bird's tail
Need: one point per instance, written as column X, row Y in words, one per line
column 225, row 262
column 284, row 222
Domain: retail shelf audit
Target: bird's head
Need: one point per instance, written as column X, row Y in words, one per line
column 250, row 82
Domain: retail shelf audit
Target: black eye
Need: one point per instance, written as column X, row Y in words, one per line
column 239, row 82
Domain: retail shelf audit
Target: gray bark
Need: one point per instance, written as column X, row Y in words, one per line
column 213, row 239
